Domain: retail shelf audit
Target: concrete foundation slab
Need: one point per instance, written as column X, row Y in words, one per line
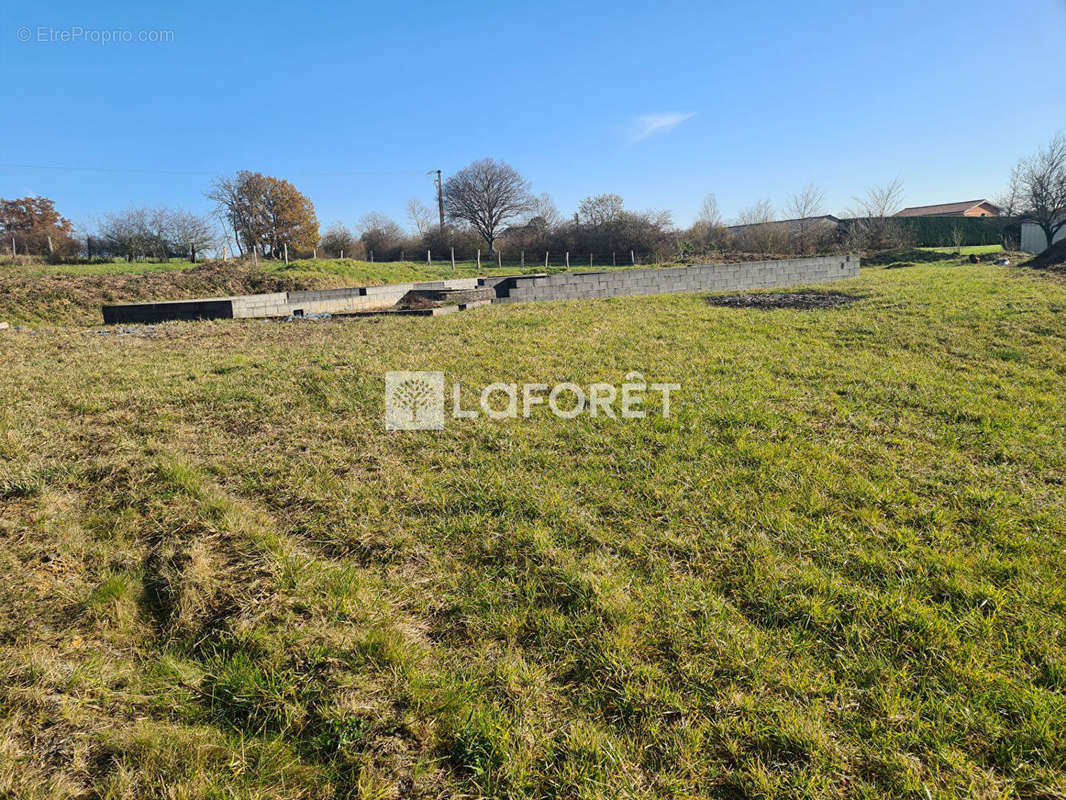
column 501, row 289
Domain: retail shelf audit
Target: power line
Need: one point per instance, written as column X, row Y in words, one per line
column 134, row 170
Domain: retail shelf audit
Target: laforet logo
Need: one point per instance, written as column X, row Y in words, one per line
column 415, row 401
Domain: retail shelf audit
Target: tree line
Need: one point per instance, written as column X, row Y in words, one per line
column 489, row 206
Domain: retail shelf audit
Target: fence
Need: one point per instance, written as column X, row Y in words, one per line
column 517, row 258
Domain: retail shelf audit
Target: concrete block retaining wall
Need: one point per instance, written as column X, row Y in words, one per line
column 208, row 308
column 509, row 289
column 698, row 278
column 278, row 304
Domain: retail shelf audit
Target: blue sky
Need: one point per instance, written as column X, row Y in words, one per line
column 660, row 102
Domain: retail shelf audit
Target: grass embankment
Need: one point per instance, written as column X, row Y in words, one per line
column 343, row 267
column 834, row 571
column 71, row 294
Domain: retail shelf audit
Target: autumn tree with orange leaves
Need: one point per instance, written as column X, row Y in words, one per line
column 33, row 227
column 265, row 213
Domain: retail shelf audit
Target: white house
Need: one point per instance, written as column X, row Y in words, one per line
column 1034, row 240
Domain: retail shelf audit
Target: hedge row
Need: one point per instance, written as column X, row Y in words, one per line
column 939, row 231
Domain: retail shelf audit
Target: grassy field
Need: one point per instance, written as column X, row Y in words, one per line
column 834, row 571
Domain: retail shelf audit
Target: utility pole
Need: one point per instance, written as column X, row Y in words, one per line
column 440, row 195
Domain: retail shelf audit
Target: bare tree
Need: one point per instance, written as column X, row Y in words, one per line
column 709, row 215
column 336, row 241
column 709, row 229
column 882, row 201
column 1008, row 201
column 486, row 195
column 127, row 233
column 192, row 233
column 543, row 213
column 232, row 208
column 159, row 232
column 873, row 227
column 804, row 206
column 760, row 212
column 650, row 232
column 756, row 232
column 1037, row 190
column 379, row 233
column 957, row 237
column 420, row 215
column 601, row 210
column 160, row 229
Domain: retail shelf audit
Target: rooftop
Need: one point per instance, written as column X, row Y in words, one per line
column 941, row 208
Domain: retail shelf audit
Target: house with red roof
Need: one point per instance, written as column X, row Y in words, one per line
column 967, row 208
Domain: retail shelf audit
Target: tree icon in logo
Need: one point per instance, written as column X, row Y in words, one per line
column 415, row 395
column 414, row 401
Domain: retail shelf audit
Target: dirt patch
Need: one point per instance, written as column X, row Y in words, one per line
column 415, row 301
column 1054, row 256
column 803, row 301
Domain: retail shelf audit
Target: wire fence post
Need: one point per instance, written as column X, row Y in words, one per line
column 568, row 259
column 523, row 259
column 479, row 259
column 453, row 259
column 429, row 258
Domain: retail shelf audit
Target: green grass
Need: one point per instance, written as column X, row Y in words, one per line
column 977, row 249
column 116, row 267
column 834, row 571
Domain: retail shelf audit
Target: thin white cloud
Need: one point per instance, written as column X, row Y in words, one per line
column 647, row 124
